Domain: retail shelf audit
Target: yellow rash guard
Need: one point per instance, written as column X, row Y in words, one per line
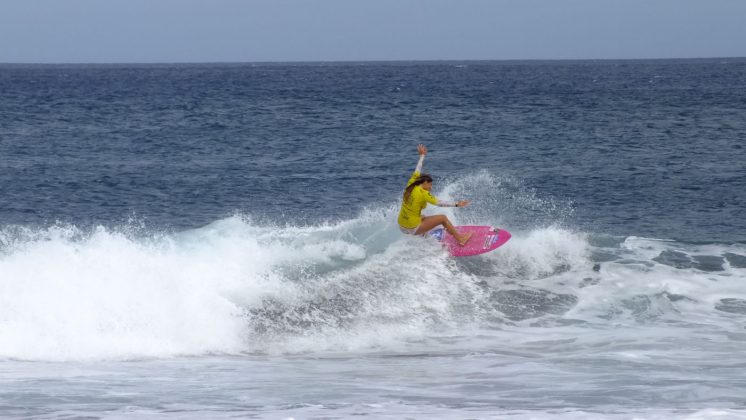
column 410, row 214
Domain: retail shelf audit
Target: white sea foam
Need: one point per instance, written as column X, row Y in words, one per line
column 238, row 286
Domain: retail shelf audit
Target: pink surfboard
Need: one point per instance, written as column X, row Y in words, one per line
column 483, row 239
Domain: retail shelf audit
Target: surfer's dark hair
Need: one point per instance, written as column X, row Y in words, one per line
column 419, row 181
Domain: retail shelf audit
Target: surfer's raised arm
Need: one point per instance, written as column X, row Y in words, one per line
column 422, row 150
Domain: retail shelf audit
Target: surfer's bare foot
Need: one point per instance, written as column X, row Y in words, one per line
column 463, row 239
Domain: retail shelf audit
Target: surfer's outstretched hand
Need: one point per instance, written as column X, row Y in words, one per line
column 421, row 149
column 463, row 203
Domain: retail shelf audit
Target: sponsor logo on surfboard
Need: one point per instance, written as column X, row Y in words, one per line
column 437, row 234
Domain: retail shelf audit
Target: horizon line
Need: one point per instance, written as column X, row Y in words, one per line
column 374, row 61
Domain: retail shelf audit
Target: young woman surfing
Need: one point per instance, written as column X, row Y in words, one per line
column 416, row 196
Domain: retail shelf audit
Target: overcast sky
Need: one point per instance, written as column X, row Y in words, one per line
column 115, row 31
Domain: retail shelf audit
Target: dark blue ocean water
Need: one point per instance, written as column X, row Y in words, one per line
column 220, row 241
column 651, row 148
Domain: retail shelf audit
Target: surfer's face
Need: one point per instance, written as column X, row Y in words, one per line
column 427, row 186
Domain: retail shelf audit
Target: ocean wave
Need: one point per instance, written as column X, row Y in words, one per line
column 241, row 286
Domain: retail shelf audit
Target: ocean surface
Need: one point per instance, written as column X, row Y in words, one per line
column 220, row 241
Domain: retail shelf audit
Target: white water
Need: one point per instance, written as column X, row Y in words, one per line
column 71, row 295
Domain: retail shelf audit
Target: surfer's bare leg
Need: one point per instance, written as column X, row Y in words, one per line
column 429, row 222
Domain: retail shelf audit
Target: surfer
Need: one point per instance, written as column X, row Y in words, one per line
column 416, row 196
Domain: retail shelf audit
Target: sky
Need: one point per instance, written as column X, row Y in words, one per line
column 169, row 31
